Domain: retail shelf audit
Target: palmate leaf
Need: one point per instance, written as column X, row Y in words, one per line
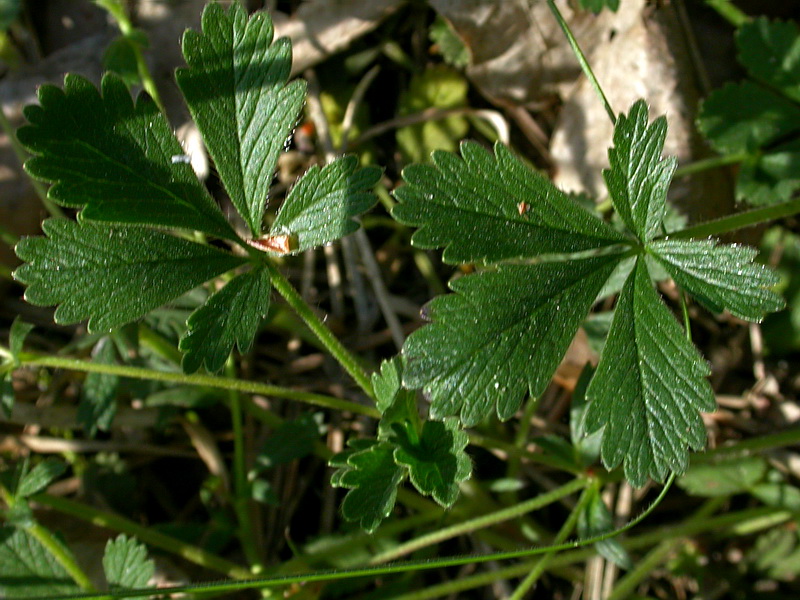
column 112, row 275
column 501, row 335
column 648, row 388
column 770, row 51
column 488, row 208
column 115, row 158
column 231, row 316
column 720, row 276
column 638, row 179
column 235, row 86
column 321, row 205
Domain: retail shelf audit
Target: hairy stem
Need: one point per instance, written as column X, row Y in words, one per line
column 61, row 554
column 349, row 362
column 223, row 383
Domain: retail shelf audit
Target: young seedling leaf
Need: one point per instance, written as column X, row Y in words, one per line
column 112, row 275
column 17, row 334
column 720, row 276
column 28, row 570
column 638, row 179
column 770, row 51
column 40, row 476
column 648, row 388
column 321, row 205
column 126, row 565
column 436, row 462
column 99, row 393
column 115, row 158
column 398, row 405
column 372, row 476
column 235, row 86
column 484, row 207
column 230, row 316
column 502, row 334
column 595, row 519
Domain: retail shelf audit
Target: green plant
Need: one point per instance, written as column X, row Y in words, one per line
column 149, row 232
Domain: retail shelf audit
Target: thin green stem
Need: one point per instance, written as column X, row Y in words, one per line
column 349, row 362
column 709, row 163
column 62, row 555
column 153, row 538
column 739, row 220
column 729, row 12
column 223, row 383
column 22, row 156
column 241, row 488
column 481, row 522
column 117, row 11
column 751, row 446
column 544, row 562
column 587, row 69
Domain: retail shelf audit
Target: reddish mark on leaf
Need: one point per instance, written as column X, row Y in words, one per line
column 280, row 244
column 522, row 207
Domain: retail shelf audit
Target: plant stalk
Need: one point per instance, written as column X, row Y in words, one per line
column 740, row 220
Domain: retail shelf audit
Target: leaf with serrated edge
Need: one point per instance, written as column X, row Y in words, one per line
column 397, row 405
column 235, row 87
column 720, row 276
column 638, row 179
column 40, row 476
column 27, row 570
column 436, row 463
column 482, row 207
column 321, row 205
column 770, row 51
column 648, row 388
column 502, row 334
column 112, row 275
column 126, row 565
column 372, row 477
column 231, row 316
column 115, row 158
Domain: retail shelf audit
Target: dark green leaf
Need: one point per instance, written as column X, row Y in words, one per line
column 587, row 445
column 398, row 406
column 235, row 86
column 720, row 276
column 488, row 208
column 120, row 58
column 292, row 440
column 126, row 565
column 17, row 334
column 741, row 117
column 771, row 176
column 502, row 334
column 99, row 394
column 27, row 570
column 321, row 205
column 112, row 275
column 598, row 5
column 595, row 519
column 40, row 476
column 231, row 316
column 648, row 388
column 372, row 476
column 436, row 462
column 723, row 478
column 9, row 10
column 770, row 51
column 638, row 179
column 115, row 158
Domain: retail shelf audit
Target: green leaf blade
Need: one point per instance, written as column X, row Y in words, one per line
column 484, row 208
column 501, row 334
column 648, row 387
column 99, row 393
column 112, row 275
column 230, row 317
column 28, row 570
column 638, row 179
column 38, row 478
column 115, row 159
column 235, row 86
column 320, row 207
column 126, row 565
column 436, row 463
column 720, row 276
column 770, row 51
column 372, row 476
